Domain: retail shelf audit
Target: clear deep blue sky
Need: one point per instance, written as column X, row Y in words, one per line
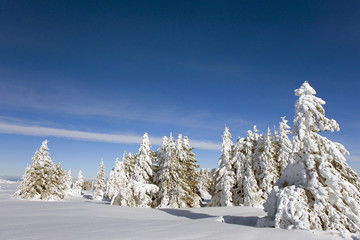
column 190, row 67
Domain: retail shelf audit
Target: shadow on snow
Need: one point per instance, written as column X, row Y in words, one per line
column 249, row 221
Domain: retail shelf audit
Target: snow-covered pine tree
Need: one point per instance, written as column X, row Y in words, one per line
column 142, row 179
column 117, row 180
column 168, row 178
column 123, row 191
column 68, row 183
column 317, row 190
column 238, row 162
column 129, row 161
column 42, row 180
column 265, row 167
column 78, row 185
column 284, row 145
column 188, row 173
column 225, row 175
column 250, row 188
column 58, row 182
column 100, row 184
column 204, row 185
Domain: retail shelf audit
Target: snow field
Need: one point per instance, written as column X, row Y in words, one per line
column 81, row 218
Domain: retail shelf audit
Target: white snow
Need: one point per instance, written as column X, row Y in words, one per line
column 81, row 218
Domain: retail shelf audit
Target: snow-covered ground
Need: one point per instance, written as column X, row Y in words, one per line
column 81, row 218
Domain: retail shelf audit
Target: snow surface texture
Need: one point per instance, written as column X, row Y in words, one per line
column 317, row 190
column 81, row 218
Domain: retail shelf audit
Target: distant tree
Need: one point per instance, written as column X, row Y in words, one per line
column 142, row 179
column 204, row 185
column 317, row 190
column 78, row 185
column 189, row 175
column 225, row 175
column 117, row 180
column 238, row 164
column 43, row 179
column 250, row 188
column 100, row 185
column 68, row 183
column 120, row 190
column 129, row 161
column 266, row 167
column 168, row 179
column 284, row 145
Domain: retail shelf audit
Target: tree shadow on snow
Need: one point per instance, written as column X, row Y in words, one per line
column 185, row 213
column 240, row 220
column 249, row 221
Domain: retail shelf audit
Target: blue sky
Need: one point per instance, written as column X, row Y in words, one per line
column 105, row 68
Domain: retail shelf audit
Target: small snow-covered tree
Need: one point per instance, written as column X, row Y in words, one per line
column 68, row 183
column 204, row 185
column 317, row 190
column 100, row 185
column 168, row 179
column 225, row 176
column 42, row 180
column 122, row 192
column 78, row 185
column 188, row 173
column 176, row 175
column 284, row 144
column 129, row 161
column 238, row 164
column 266, row 168
column 117, row 180
column 250, row 189
column 142, row 179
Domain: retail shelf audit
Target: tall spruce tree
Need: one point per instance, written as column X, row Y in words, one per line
column 266, row 167
column 250, row 189
column 225, row 176
column 168, row 175
column 317, row 190
column 117, row 180
column 100, row 184
column 284, row 145
column 144, row 191
column 189, row 174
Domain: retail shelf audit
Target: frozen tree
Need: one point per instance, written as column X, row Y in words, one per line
column 204, row 185
column 168, row 178
column 68, row 183
column 249, row 187
column 117, row 180
column 120, row 191
column 225, row 176
column 42, row 180
column 176, row 175
column 142, row 179
column 188, row 173
column 317, row 190
column 78, row 185
column 129, row 161
column 238, row 164
column 284, row 145
column 100, row 185
column 265, row 166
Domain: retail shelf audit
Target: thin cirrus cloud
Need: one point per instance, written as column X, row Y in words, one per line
column 9, row 128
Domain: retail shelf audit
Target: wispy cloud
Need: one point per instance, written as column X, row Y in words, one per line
column 9, row 128
column 76, row 102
